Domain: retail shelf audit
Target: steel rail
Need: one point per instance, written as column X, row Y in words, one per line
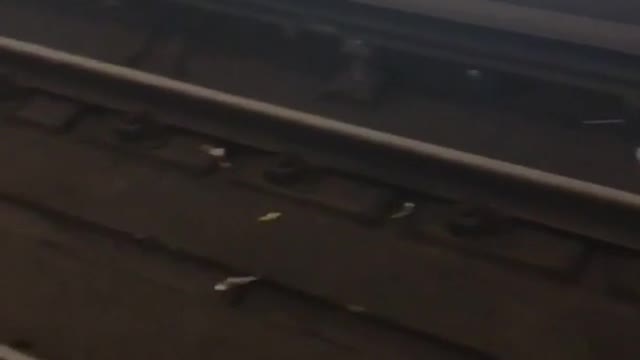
column 523, row 19
column 558, row 57
column 365, row 135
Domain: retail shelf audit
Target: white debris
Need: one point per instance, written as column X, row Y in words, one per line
column 271, row 216
column 232, row 282
column 217, row 152
column 407, row 209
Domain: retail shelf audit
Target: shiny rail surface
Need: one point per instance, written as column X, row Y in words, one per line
column 106, row 80
column 323, row 124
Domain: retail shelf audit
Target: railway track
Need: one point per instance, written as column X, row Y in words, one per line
column 137, row 194
column 527, row 121
column 588, row 51
column 113, row 170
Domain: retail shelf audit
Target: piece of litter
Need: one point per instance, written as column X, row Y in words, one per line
column 407, row 209
column 232, row 282
column 270, row 217
column 217, row 152
column 356, row 308
column 604, row 122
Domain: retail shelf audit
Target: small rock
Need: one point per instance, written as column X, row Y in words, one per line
column 407, row 209
column 272, row 216
column 232, row 282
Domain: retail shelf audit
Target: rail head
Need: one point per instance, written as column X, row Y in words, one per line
column 527, row 19
column 425, row 150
